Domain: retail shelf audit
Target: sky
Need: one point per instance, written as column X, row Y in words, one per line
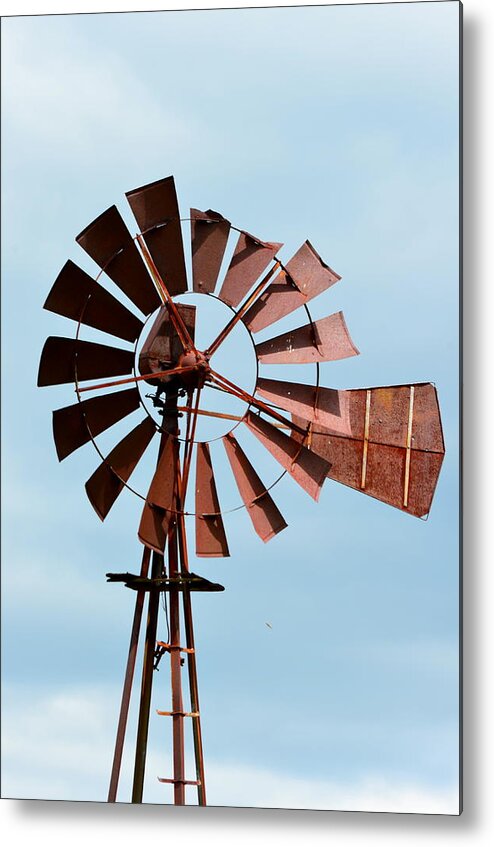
column 337, row 124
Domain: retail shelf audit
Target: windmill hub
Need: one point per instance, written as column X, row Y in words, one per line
column 199, row 362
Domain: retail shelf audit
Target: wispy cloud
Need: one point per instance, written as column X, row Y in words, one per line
column 60, row 745
column 80, row 104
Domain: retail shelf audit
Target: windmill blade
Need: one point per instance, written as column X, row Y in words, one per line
column 153, row 528
column 77, row 296
column 250, row 258
column 325, row 340
column 261, row 508
column 210, row 532
column 108, row 480
column 163, row 488
column 325, row 406
column 307, row 468
column 74, row 425
column 209, row 233
column 155, row 209
column 395, row 450
column 108, row 241
column 304, row 277
column 61, row 356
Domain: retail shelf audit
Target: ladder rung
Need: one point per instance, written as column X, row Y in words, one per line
column 183, row 714
column 174, row 647
column 180, row 781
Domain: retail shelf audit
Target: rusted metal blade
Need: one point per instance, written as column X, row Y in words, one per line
column 304, row 277
column 395, row 447
column 250, row 258
column 108, row 241
column 163, row 488
column 61, row 357
column 108, row 480
column 307, row 468
column 262, row 510
column 155, row 209
column 210, row 532
column 74, row 425
column 326, row 406
column 209, row 232
column 153, row 528
column 78, row 297
column 322, row 341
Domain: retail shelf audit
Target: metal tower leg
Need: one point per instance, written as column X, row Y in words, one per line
column 146, row 685
column 194, row 699
column 176, row 679
column 192, row 666
column 129, row 677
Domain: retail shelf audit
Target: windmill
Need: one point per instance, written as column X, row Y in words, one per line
column 386, row 442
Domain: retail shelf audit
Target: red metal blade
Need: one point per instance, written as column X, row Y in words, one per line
column 74, row 425
column 210, row 532
column 108, row 480
column 60, row 356
column 427, row 431
column 153, row 529
column 305, row 467
column 209, row 231
column 155, row 209
column 250, row 259
column 162, row 491
column 395, row 450
column 326, row 406
column 78, row 297
column 306, row 276
column 262, row 510
column 108, row 241
column 323, row 341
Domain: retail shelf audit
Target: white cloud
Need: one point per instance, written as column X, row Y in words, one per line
column 60, row 747
column 244, row 786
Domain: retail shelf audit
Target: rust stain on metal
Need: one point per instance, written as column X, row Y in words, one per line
column 326, row 406
column 209, row 234
column 304, row 277
column 266, row 518
column 307, row 468
column 239, row 315
column 395, row 431
column 332, row 341
column 250, row 258
column 210, row 532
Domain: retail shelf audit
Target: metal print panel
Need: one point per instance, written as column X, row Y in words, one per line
column 267, row 613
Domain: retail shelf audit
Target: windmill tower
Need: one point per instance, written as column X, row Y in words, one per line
column 386, row 442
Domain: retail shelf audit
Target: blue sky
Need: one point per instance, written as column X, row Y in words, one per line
column 337, row 124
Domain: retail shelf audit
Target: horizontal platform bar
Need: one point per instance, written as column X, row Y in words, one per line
column 176, row 712
column 180, row 582
column 180, row 781
column 174, row 647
